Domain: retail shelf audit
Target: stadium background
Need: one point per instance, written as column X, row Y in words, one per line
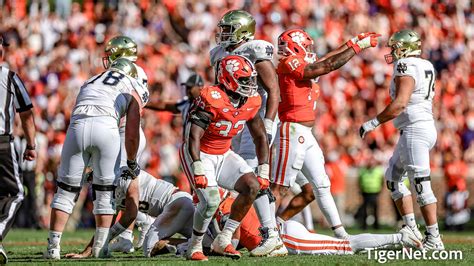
column 56, row 46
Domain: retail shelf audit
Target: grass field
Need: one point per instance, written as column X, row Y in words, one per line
column 25, row 247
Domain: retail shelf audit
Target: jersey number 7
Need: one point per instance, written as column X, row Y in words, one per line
column 429, row 75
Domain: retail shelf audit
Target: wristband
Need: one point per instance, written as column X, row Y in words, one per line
column 263, row 170
column 268, row 125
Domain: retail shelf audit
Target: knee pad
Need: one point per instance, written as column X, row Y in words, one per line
column 268, row 192
column 209, row 200
column 65, row 197
column 398, row 190
column 424, row 193
column 103, row 197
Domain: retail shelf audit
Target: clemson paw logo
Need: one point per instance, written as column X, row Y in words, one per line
column 232, row 66
column 215, row 95
column 297, row 37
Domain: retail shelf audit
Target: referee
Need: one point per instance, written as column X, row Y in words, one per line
column 13, row 98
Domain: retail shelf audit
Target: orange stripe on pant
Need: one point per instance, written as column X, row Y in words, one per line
column 280, row 158
column 321, row 242
column 317, row 248
column 287, row 151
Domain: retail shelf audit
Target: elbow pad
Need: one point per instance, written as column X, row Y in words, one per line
column 200, row 119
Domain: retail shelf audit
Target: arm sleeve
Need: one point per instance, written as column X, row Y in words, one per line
column 22, row 99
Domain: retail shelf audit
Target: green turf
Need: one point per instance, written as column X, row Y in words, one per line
column 26, row 246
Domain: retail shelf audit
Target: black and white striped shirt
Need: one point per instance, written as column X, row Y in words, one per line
column 13, row 98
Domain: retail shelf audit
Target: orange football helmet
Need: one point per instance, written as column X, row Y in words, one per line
column 238, row 74
column 297, row 42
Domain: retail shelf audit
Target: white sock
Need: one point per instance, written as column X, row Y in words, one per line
column 54, row 238
column 273, row 212
column 263, row 209
column 409, row 220
column 231, row 225
column 327, row 205
column 100, row 237
column 308, row 218
column 340, row 232
column 127, row 234
column 196, row 242
column 363, row 241
column 433, row 229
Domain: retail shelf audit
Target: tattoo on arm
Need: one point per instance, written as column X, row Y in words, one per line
column 330, row 64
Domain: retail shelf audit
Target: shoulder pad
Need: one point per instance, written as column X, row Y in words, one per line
column 404, row 67
column 256, row 50
column 142, row 77
column 216, row 54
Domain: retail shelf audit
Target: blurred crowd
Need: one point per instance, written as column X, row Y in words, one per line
column 56, row 46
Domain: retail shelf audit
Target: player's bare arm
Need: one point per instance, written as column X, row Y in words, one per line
column 346, row 45
column 28, row 125
column 333, row 62
column 405, row 86
column 269, row 79
column 163, row 106
column 200, row 120
column 404, row 89
column 257, row 130
column 132, row 132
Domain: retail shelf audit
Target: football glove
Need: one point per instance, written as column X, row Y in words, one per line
column 200, row 180
column 367, row 42
column 368, row 126
column 263, row 172
column 133, row 167
column 357, row 38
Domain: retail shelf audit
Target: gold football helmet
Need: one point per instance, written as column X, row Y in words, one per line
column 119, row 47
column 124, row 66
column 403, row 43
column 235, row 27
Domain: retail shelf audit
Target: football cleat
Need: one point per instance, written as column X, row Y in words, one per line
column 279, row 252
column 432, row 243
column 162, row 247
column 121, row 245
column 270, row 241
column 143, row 228
column 409, row 238
column 98, row 252
column 3, row 255
column 52, row 252
column 197, row 255
column 223, row 247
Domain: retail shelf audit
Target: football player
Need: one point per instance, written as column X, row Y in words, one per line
column 172, row 211
column 236, row 31
column 300, row 241
column 412, row 92
column 193, row 86
column 93, row 137
column 296, row 147
column 218, row 114
column 125, row 47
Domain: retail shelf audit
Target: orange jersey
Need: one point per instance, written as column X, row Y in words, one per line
column 249, row 235
column 298, row 97
column 227, row 121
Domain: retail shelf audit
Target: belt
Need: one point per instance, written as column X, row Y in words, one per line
column 6, row 138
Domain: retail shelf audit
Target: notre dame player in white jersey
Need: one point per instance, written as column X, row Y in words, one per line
column 236, row 36
column 93, row 139
column 412, row 92
column 171, row 209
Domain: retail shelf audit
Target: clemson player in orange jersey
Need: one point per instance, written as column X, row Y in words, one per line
column 299, row 241
column 296, row 148
column 218, row 114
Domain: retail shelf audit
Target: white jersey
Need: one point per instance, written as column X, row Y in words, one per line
column 419, row 107
column 106, row 94
column 143, row 89
column 255, row 51
column 155, row 194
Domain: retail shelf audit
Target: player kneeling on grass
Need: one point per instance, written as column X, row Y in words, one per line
column 298, row 240
column 219, row 114
column 172, row 208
